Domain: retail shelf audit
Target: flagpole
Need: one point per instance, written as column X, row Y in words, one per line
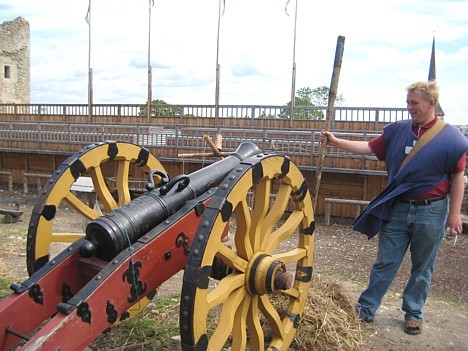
column 293, row 83
column 149, row 63
column 90, row 70
column 218, row 69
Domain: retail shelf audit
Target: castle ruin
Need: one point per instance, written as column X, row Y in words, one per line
column 14, row 62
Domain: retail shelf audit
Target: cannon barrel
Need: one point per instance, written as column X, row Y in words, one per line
column 112, row 233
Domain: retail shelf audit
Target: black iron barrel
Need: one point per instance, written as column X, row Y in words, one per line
column 112, row 233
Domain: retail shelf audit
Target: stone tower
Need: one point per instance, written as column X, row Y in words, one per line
column 14, row 62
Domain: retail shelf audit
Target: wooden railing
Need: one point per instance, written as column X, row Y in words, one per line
column 43, row 136
column 244, row 116
column 168, row 142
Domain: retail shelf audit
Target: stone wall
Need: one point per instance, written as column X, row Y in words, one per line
column 15, row 62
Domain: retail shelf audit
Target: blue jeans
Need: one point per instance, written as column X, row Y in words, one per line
column 421, row 228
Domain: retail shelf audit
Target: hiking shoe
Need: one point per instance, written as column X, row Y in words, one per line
column 413, row 327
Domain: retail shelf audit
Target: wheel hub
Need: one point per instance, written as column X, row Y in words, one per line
column 266, row 275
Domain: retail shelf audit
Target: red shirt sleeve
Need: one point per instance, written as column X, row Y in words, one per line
column 461, row 164
column 378, row 147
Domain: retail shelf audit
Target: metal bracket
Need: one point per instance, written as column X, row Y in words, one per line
column 111, row 313
column 183, row 240
column 307, row 276
column 295, row 318
column 84, row 312
column 285, row 167
column 310, row 229
column 36, row 294
column 137, row 287
column 66, row 293
column 300, row 194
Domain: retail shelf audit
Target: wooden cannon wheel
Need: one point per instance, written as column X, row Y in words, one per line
column 90, row 162
column 243, row 293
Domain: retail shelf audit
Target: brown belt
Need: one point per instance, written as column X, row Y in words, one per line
column 423, row 202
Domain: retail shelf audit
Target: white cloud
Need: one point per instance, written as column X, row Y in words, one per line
column 387, row 47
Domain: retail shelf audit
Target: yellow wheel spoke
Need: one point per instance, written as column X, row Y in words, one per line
column 230, row 258
column 123, row 190
column 283, row 232
column 225, row 289
column 292, row 293
column 272, row 316
column 102, row 190
column 257, row 337
column 66, row 237
column 242, row 239
column 239, row 331
column 226, row 322
column 291, row 256
column 81, row 207
column 261, row 206
column 276, row 212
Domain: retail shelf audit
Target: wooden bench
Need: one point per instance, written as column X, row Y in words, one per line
column 11, row 216
column 329, row 201
column 38, row 176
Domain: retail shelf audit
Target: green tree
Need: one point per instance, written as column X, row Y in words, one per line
column 319, row 96
column 159, row 108
column 310, row 97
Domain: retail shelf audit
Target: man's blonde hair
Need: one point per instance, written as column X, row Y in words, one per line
column 428, row 90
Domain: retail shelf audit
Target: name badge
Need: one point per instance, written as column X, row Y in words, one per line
column 409, row 148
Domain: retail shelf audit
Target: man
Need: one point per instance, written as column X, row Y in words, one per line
column 413, row 210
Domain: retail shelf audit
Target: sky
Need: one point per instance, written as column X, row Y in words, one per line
column 387, row 47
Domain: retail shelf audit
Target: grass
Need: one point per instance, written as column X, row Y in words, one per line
column 4, row 288
column 8, row 232
column 153, row 329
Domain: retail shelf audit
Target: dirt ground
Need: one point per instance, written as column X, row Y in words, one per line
column 341, row 254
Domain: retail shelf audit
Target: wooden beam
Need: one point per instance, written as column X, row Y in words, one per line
column 211, row 144
column 205, row 154
column 215, row 146
column 330, row 111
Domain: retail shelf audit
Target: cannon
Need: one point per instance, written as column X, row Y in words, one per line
column 241, row 229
